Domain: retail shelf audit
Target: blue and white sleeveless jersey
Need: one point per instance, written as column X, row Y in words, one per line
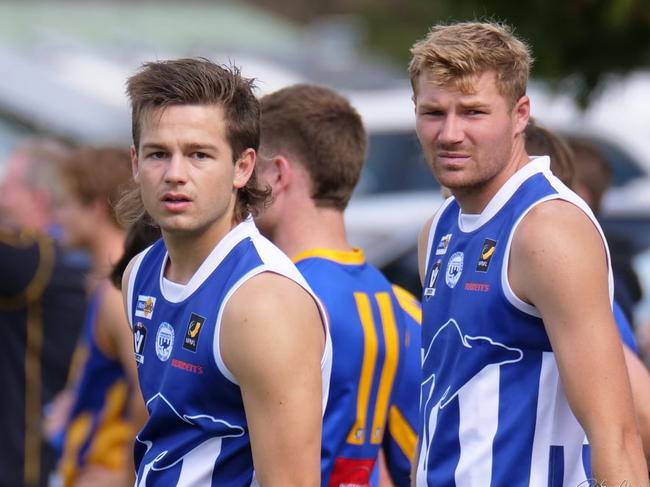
column 492, row 409
column 369, row 324
column 197, row 434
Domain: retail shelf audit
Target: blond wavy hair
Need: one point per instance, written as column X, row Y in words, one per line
column 459, row 53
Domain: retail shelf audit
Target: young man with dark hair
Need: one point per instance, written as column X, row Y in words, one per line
column 517, row 283
column 232, row 346
column 312, row 151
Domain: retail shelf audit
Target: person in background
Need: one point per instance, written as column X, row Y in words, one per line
column 93, row 422
column 232, row 345
column 541, row 141
column 517, row 282
column 42, row 303
column 312, row 149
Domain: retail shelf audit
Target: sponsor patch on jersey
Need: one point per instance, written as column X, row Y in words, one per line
column 144, row 308
column 187, row 367
column 441, row 249
column 489, row 246
column 454, row 268
column 139, row 337
column 477, row 286
column 430, row 290
column 164, row 341
column 194, row 327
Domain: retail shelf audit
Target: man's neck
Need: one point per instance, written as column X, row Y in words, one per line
column 473, row 200
column 311, row 228
column 187, row 251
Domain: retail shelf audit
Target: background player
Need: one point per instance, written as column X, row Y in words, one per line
column 312, row 151
column 233, row 354
column 101, row 409
column 516, row 274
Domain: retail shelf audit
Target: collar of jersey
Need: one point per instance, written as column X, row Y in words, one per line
column 348, row 257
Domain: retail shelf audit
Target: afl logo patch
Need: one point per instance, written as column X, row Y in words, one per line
column 192, row 334
column 454, row 269
column 487, row 251
column 164, row 341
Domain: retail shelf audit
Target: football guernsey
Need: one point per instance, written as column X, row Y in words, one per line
column 371, row 335
column 197, row 434
column 98, row 431
column 493, row 410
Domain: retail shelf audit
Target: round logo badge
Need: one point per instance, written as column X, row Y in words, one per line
column 454, row 269
column 164, row 341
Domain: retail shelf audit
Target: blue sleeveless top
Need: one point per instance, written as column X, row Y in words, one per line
column 370, row 341
column 197, row 432
column 493, row 410
column 98, row 431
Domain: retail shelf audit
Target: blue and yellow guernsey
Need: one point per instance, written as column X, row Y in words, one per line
column 493, row 408
column 375, row 339
column 98, row 432
column 197, row 433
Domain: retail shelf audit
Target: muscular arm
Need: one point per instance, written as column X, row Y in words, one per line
column 272, row 341
column 558, row 263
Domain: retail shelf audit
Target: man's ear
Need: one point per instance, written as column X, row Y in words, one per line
column 244, row 167
column 135, row 164
column 521, row 112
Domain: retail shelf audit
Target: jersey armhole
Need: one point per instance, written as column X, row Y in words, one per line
column 131, row 284
column 432, row 230
column 509, row 294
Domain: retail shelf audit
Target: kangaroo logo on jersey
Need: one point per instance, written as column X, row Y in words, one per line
column 441, row 249
column 192, row 334
column 489, row 246
column 454, row 269
column 164, row 341
column 444, row 375
column 139, row 336
column 168, row 460
column 430, row 290
column 144, row 307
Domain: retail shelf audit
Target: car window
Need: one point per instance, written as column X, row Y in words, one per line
column 395, row 163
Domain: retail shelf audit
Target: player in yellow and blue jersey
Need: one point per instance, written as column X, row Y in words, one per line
column 312, row 151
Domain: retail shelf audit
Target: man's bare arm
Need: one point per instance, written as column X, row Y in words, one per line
column 272, row 340
column 558, row 263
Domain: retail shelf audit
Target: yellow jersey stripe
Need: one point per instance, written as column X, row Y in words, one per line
column 350, row 257
column 402, row 432
column 408, row 303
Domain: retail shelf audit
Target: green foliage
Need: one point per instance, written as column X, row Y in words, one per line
column 577, row 40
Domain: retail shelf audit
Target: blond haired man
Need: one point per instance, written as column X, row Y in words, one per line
column 517, row 282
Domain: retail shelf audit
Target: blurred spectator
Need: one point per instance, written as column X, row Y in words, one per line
column 94, row 420
column 592, row 179
column 42, row 300
column 541, row 142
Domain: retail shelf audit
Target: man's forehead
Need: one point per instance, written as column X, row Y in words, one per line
column 468, row 87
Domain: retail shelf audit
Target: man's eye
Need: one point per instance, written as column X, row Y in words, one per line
column 200, row 155
column 157, row 155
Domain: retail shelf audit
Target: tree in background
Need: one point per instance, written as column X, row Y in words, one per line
column 576, row 43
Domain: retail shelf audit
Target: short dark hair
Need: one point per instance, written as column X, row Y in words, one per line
column 324, row 132
column 199, row 81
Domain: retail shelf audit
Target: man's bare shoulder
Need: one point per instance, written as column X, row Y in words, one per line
column 555, row 221
column 271, row 317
